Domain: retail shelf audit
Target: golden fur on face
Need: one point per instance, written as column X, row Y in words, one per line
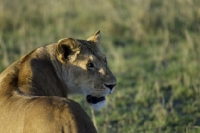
column 86, row 69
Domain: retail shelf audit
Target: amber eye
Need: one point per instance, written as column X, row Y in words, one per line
column 90, row 65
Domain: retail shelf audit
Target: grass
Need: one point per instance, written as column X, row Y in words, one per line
column 152, row 48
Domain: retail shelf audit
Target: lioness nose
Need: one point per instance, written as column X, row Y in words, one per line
column 110, row 86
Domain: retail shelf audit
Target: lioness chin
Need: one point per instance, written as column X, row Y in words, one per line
column 70, row 66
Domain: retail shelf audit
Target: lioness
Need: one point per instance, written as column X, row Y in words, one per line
column 71, row 66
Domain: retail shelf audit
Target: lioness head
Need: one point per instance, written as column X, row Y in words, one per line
column 85, row 69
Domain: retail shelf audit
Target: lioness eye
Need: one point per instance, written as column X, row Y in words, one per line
column 90, row 65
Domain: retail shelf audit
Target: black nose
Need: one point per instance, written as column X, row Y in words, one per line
column 110, row 86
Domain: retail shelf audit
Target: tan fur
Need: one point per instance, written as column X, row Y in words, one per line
column 33, row 90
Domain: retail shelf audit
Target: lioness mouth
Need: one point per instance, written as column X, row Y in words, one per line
column 94, row 100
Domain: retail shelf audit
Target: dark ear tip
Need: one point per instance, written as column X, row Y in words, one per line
column 98, row 32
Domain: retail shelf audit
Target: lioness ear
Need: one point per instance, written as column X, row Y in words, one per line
column 96, row 38
column 67, row 49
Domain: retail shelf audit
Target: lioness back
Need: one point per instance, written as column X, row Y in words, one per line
column 43, row 115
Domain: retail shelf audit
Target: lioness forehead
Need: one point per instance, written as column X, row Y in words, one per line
column 89, row 47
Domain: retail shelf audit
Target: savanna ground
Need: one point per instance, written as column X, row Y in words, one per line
column 152, row 46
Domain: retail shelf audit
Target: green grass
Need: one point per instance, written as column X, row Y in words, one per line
column 152, row 48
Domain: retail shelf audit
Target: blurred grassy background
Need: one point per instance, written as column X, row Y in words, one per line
column 152, row 46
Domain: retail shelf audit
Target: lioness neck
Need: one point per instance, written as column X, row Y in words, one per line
column 36, row 74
